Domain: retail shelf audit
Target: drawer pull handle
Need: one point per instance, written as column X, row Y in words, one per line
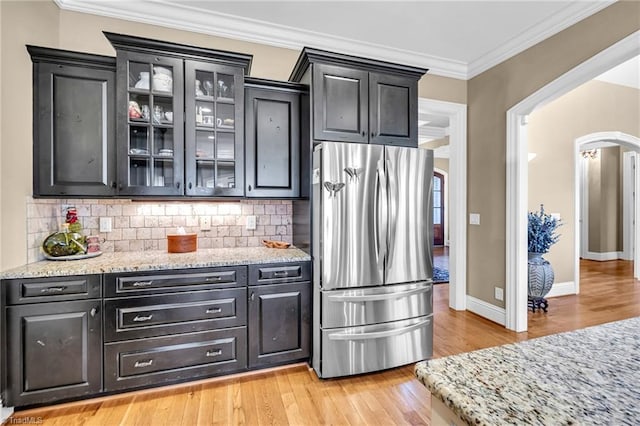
column 53, row 289
column 214, row 278
column 280, row 274
column 213, row 310
column 138, row 318
column 214, row 353
column 142, row 364
column 142, row 283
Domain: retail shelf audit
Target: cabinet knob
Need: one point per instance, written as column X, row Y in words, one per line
column 114, row 185
column 178, row 185
column 190, row 185
column 373, row 134
column 249, row 188
column 253, row 296
column 363, row 133
column 93, row 312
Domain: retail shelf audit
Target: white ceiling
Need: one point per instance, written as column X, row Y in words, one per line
column 625, row 74
column 457, row 39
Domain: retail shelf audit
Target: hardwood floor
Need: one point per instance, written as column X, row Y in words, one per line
column 295, row 396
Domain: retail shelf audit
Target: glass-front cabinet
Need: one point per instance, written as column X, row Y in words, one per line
column 180, row 119
column 214, row 105
column 150, row 125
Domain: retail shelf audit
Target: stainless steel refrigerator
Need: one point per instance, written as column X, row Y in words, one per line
column 372, row 253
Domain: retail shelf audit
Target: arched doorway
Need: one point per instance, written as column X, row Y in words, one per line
column 517, row 159
column 631, row 204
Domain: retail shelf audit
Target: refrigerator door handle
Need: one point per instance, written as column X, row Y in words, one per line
column 377, row 334
column 382, row 296
column 376, row 218
column 393, row 205
column 381, row 215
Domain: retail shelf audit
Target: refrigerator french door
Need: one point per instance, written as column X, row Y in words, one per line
column 372, row 226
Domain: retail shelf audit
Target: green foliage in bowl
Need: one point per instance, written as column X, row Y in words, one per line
column 64, row 244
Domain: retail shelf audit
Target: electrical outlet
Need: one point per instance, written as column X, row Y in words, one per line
column 251, row 223
column 105, row 224
column 205, row 223
column 474, row 218
column 499, row 293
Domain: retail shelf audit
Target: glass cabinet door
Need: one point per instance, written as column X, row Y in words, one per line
column 151, row 141
column 214, row 107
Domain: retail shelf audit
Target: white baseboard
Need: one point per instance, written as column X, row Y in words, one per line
column 5, row 413
column 603, row 257
column 562, row 289
column 486, row 310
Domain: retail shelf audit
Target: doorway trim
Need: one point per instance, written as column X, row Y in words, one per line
column 597, row 140
column 517, row 169
column 457, row 114
column 445, row 202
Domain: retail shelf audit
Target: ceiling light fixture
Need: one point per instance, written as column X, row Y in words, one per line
column 590, row 154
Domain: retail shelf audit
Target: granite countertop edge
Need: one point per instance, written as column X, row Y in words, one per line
column 564, row 378
column 155, row 261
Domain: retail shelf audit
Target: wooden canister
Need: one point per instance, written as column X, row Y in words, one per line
column 182, row 243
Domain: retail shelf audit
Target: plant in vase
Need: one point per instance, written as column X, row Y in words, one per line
column 542, row 235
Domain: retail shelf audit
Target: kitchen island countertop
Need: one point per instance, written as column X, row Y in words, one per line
column 587, row 376
column 156, row 260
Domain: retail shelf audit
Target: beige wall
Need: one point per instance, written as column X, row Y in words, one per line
column 593, row 107
column 489, row 96
column 42, row 23
column 442, row 88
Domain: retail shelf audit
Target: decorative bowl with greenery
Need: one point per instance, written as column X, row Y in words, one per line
column 542, row 231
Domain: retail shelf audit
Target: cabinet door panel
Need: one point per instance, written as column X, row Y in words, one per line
column 340, row 104
column 56, row 351
column 74, row 141
column 273, row 143
column 393, row 110
column 280, row 321
column 214, row 129
column 150, row 124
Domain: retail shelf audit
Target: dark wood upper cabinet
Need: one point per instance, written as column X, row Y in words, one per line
column 185, row 133
column 393, row 110
column 341, row 104
column 150, row 124
column 214, row 102
column 360, row 100
column 74, row 123
column 273, row 138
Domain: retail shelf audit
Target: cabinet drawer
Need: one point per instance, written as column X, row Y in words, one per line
column 132, row 318
column 34, row 290
column 180, row 280
column 174, row 358
column 279, row 273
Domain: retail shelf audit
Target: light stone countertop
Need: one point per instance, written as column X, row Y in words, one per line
column 586, row 377
column 156, row 260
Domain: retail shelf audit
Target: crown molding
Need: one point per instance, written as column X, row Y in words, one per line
column 189, row 18
column 570, row 15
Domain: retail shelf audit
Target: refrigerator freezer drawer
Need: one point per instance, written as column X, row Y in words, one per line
column 362, row 306
column 356, row 350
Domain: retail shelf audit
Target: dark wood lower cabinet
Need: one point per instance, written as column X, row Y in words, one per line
column 174, row 358
column 279, row 323
column 54, row 351
column 140, row 330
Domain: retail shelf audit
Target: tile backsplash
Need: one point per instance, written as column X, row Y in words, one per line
column 142, row 225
